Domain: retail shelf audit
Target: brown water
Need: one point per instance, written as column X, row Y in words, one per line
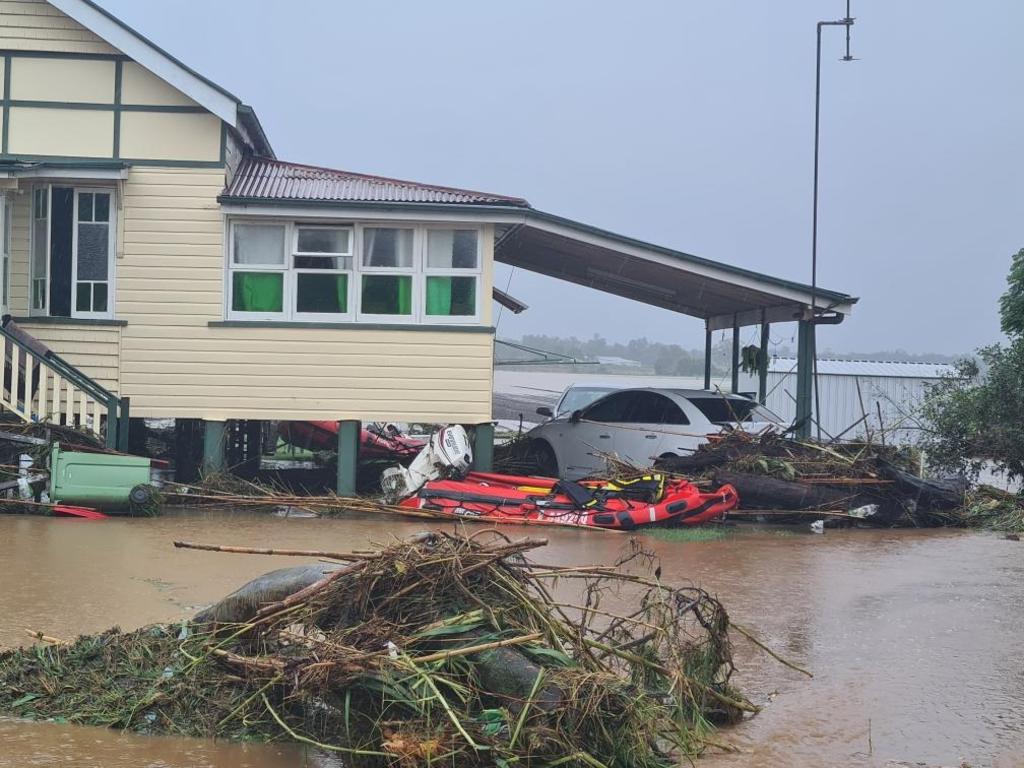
column 919, row 634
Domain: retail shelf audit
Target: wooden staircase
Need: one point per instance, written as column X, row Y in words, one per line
column 40, row 386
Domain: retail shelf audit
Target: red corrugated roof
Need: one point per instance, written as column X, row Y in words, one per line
column 270, row 180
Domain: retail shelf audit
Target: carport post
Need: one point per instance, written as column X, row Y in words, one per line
column 483, row 447
column 349, row 432
column 735, row 356
column 707, row 357
column 762, row 367
column 804, row 377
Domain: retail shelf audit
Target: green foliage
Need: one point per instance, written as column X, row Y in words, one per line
column 975, row 414
column 1011, row 304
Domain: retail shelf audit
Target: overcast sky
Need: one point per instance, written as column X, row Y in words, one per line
column 688, row 124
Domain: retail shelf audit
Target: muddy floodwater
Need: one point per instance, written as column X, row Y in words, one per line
column 915, row 638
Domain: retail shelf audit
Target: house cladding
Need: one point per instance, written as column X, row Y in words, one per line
column 35, row 25
column 81, row 115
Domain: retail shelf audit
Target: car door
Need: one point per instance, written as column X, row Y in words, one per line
column 654, row 425
column 593, row 432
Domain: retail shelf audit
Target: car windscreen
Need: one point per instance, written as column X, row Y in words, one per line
column 729, row 410
column 580, row 397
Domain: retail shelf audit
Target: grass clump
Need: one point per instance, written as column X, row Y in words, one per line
column 443, row 650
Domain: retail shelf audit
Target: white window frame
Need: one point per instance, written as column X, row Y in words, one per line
column 418, row 272
column 294, row 252
column 476, row 273
column 111, row 250
column 33, row 310
column 5, row 255
column 76, row 190
column 414, row 271
column 282, row 268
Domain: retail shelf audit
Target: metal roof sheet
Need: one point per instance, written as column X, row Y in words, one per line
column 882, row 368
column 261, row 179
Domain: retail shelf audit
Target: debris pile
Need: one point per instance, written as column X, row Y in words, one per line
column 442, row 648
column 782, row 479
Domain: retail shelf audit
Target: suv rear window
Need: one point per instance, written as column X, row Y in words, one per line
column 729, row 410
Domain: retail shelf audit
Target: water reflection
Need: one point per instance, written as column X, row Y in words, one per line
column 919, row 634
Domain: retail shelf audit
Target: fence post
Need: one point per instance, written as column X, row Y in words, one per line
column 123, row 424
column 112, row 425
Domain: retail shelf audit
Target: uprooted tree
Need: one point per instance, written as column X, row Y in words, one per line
column 974, row 414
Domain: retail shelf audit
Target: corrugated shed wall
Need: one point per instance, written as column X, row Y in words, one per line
column 841, row 398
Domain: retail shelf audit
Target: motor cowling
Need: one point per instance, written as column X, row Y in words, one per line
column 448, row 454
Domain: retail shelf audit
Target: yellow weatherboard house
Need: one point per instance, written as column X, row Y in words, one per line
column 162, row 254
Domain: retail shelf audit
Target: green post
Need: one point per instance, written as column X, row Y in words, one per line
column 123, row 424
column 735, row 357
column 762, row 368
column 112, row 427
column 483, row 447
column 348, row 456
column 804, row 377
column 707, row 356
column 213, row 447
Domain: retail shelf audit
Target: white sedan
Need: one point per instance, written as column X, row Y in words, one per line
column 639, row 426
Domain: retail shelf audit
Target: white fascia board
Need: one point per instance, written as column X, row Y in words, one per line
column 156, row 61
column 705, row 270
column 783, row 314
column 350, row 213
column 110, row 174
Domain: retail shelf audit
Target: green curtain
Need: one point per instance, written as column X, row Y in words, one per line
column 439, row 295
column 387, row 294
column 258, row 292
column 326, row 294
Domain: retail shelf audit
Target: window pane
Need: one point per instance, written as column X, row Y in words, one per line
column 259, row 244
column 101, row 209
column 99, row 297
column 322, row 293
column 39, row 227
column 387, row 247
column 452, row 296
column 320, row 240
column 93, row 251
column 39, row 210
column 452, row 248
column 83, row 294
column 6, row 281
column 323, row 262
column 38, row 294
column 387, row 294
column 85, row 206
column 257, row 291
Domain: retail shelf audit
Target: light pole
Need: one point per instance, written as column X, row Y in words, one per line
column 804, row 406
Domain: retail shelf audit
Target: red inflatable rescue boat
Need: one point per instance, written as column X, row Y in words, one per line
column 621, row 504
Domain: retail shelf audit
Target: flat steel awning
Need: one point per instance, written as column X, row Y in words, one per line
column 724, row 296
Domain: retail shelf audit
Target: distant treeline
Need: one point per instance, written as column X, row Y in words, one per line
column 675, row 360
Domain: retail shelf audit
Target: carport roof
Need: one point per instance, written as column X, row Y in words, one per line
column 721, row 294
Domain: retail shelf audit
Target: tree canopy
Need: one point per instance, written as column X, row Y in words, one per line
column 975, row 416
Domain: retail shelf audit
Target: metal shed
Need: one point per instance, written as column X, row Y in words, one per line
column 858, row 397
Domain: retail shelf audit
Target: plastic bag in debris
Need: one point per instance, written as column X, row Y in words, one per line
column 868, row 510
column 818, row 526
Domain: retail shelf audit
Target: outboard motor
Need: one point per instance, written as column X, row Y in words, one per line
column 447, row 455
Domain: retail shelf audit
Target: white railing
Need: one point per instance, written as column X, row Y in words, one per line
column 45, row 388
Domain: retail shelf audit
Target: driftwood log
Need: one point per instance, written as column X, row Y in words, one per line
column 763, row 492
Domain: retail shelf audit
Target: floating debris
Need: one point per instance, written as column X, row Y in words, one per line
column 441, row 648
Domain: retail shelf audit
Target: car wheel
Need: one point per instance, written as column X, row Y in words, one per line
column 542, row 457
column 667, row 456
